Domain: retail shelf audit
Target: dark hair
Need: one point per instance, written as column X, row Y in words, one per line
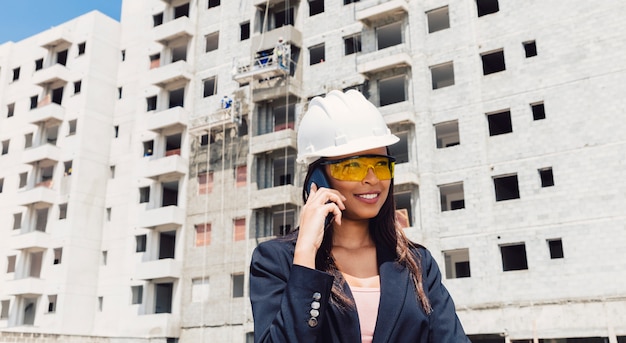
column 386, row 234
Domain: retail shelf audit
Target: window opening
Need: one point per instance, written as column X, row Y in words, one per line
column 237, row 280
column 499, row 123
column 452, row 197
column 352, row 44
column 487, row 7
column 155, row 61
column 283, row 18
column 100, row 303
column 163, row 297
column 112, row 170
column 173, row 144
column 81, row 48
column 530, row 48
column 72, row 127
column 438, row 19
column 1, row 184
column 457, row 263
column 539, row 111
column 29, row 311
column 556, row 248
column 77, row 87
column 123, row 55
column 136, row 295
column 62, row 57
column 33, row 102
column 404, row 212
column 5, row 147
column 447, row 134
column 389, row 35
column 10, row 110
column 144, row 195
column 39, row 64
column 16, row 74
column 442, row 75
column 157, row 19
column 62, row 211
column 52, row 303
column 203, row 234
column 140, row 243
column 210, row 86
column 23, row 179
column 317, row 54
column 108, row 214
column 151, row 103
column 241, row 174
column 119, row 92
column 105, row 256
column 506, row 187
column 170, row 194
column 11, row 264
column 214, row 3
column 4, row 313
column 181, row 11
column 514, row 257
column 547, row 179
column 316, row 7
column 205, row 182
column 148, row 148
column 239, row 232
column 244, row 29
column 392, row 90
column 212, row 41
column 28, row 140
column 58, row 255
column 57, row 95
column 347, row 2
column 400, row 150
column 68, row 168
column 116, row 131
column 493, row 62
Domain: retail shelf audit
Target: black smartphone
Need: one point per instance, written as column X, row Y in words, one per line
column 319, row 178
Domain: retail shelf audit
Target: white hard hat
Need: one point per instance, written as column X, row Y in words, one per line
column 341, row 124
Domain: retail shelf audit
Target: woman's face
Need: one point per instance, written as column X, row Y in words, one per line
column 364, row 198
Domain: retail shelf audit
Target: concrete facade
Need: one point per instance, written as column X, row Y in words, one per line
column 140, row 197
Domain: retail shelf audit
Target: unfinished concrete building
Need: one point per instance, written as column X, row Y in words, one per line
column 181, row 150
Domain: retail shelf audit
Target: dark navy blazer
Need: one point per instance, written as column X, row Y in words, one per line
column 282, row 295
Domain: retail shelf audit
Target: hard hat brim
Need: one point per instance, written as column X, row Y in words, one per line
column 352, row 147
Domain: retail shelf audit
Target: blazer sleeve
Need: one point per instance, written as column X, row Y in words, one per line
column 283, row 296
column 445, row 326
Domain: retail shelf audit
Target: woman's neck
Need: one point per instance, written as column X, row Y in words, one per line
column 352, row 234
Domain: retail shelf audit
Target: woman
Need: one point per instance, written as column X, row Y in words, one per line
column 348, row 274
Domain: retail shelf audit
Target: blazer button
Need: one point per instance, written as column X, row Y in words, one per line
column 317, row 296
column 314, row 313
column 312, row 322
column 315, row 305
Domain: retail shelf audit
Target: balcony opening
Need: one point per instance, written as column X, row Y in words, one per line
column 556, row 248
column 284, row 117
column 452, row 196
column 200, row 290
column 400, row 150
column 392, row 90
column 140, row 243
column 151, row 103
column 447, row 134
column 499, row 123
column 316, row 7
column 181, row 11
column 514, row 257
column 539, row 111
column 167, row 244
column 62, row 211
column 11, row 264
column 170, row 194
column 52, row 303
column 177, row 98
column 457, row 263
column 530, row 48
column 284, row 170
column 57, row 95
column 546, row 176
column 136, row 295
column 284, row 17
column 155, row 60
column 173, row 144
column 67, row 168
column 34, row 102
column 144, row 195
column 493, row 62
column 4, row 313
column 438, row 19
column 239, row 229
column 212, row 41
column 203, row 234
column 442, row 75
column 389, row 35
column 485, row 7
column 62, row 57
column 10, row 110
column 16, row 74
column 244, row 31
column 30, row 309
column 214, row 3
column 41, row 219
column 164, row 293
column 352, row 44
column 404, row 209
column 210, row 86
column 58, row 255
column 5, row 147
column 179, row 53
column 237, row 280
column 205, row 183
column 51, row 134
column 317, row 54
column 506, row 187
column 157, row 19
column 35, row 260
column 148, row 148
column 283, row 222
column 17, row 221
column 45, row 177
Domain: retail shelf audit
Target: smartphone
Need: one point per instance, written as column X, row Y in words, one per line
column 319, row 178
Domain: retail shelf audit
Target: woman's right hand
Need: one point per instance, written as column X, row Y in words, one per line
column 320, row 203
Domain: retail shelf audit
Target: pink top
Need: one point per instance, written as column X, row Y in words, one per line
column 366, row 300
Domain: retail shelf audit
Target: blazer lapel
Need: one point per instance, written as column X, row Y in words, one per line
column 394, row 285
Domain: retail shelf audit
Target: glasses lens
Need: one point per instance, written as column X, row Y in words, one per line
column 356, row 168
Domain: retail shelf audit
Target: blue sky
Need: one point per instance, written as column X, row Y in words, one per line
column 20, row 19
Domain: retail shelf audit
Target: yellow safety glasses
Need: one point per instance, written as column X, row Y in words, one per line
column 355, row 168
